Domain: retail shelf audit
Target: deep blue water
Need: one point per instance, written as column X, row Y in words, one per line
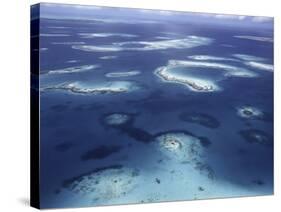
column 72, row 124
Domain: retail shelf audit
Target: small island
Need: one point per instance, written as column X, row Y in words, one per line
column 99, row 88
column 249, row 112
column 122, row 74
column 75, row 69
column 116, row 119
column 180, row 146
column 195, row 84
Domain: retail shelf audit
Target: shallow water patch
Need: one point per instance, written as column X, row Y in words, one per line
column 105, row 183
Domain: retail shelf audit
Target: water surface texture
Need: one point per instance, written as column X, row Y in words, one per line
column 142, row 106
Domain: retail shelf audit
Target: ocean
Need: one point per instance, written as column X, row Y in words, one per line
column 126, row 116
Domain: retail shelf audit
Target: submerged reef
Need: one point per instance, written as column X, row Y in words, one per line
column 261, row 66
column 249, row 112
column 247, row 57
column 185, row 148
column 68, row 43
column 92, row 88
column 75, row 69
column 105, row 35
column 179, row 146
column 229, row 70
column 116, row 119
column 104, row 183
column 200, row 118
column 100, row 152
column 255, row 38
column 108, row 57
column 123, row 74
column 125, row 123
column 257, row 136
column 184, row 43
column 253, row 113
column 53, row 35
column 209, row 57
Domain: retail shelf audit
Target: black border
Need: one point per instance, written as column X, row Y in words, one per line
column 34, row 107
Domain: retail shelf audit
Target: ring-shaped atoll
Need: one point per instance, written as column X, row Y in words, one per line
column 249, row 112
column 180, row 146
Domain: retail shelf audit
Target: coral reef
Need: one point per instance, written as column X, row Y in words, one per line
column 104, row 183
column 257, row 136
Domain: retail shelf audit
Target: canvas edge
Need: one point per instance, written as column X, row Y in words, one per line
column 34, row 106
